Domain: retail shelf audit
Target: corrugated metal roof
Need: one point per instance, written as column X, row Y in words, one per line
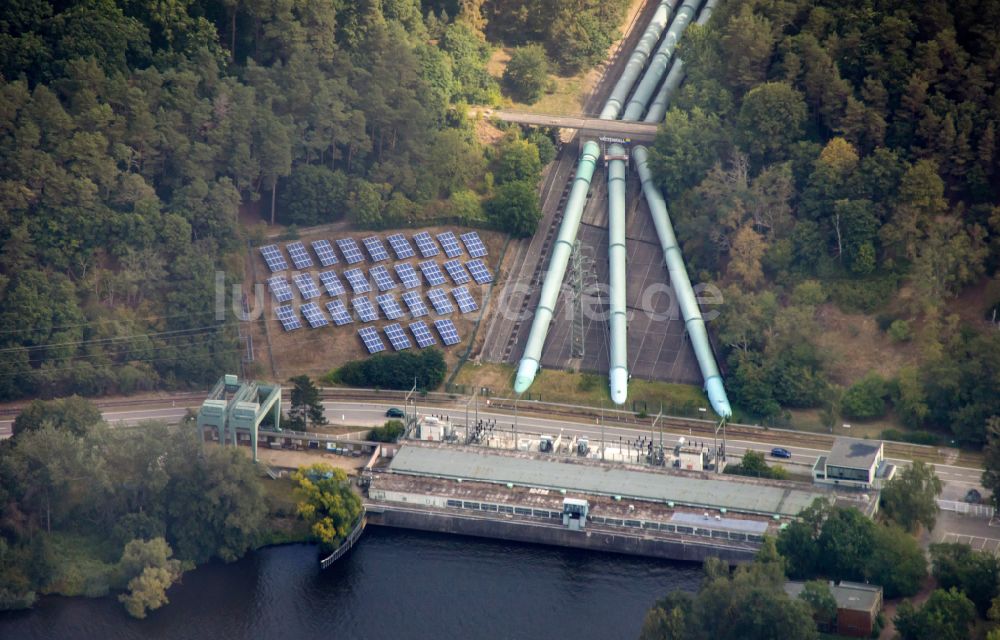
column 733, row 495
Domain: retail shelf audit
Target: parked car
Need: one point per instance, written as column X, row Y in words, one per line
column 778, row 452
column 395, row 412
column 973, row 496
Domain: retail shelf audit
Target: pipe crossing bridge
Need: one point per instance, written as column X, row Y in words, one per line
column 626, row 129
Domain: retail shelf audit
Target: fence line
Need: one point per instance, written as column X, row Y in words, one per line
column 964, row 508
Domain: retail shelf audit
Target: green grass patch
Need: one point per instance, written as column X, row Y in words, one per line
column 83, row 565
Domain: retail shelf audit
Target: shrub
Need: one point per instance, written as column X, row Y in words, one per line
column 389, row 432
column 899, row 331
column 913, row 437
column 394, row 371
column 865, row 398
column 527, row 73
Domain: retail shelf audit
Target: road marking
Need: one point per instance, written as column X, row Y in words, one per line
column 978, row 543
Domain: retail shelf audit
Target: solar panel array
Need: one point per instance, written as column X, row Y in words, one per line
column 422, row 334
column 332, row 284
column 446, row 329
column 376, row 249
column 450, row 244
column 465, row 302
column 432, row 273
column 397, row 338
column 338, row 312
column 279, row 288
column 457, row 272
column 307, row 286
column 314, row 316
column 286, row 315
column 407, row 275
column 356, row 278
column 348, row 247
column 272, row 256
column 390, row 307
column 425, row 244
column 300, row 258
column 473, row 244
column 415, row 304
column 400, row 246
column 383, row 280
column 363, row 307
column 480, row 273
column 370, row 337
column 440, row 301
column 324, row 251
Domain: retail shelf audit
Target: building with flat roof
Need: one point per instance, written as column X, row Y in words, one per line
column 568, row 474
column 853, row 462
column 857, row 606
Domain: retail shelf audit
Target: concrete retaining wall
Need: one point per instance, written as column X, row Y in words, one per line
column 593, row 539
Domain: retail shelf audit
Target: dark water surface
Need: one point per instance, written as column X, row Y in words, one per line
column 394, row 585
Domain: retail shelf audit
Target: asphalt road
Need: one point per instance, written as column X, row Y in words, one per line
column 957, row 480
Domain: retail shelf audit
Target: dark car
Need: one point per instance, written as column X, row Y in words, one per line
column 778, row 452
column 395, row 412
column 973, row 496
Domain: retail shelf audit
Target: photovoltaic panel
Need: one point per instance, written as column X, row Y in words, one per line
column 446, row 329
column 440, row 301
column 397, row 338
column 307, row 286
column 426, row 244
column 457, row 272
column 324, row 251
column 390, row 307
column 407, row 275
column 338, row 312
column 348, row 247
column 289, row 320
column 314, row 315
column 356, row 278
column 332, row 284
column 415, row 304
column 480, row 273
column 376, row 249
column 473, row 244
column 383, row 280
column 272, row 256
column 450, row 244
column 401, row 246
column 432, row 273
column 279, row 288
column 465, row 302
column 422, row 334
column 370, row 337
column 300, row 258
column 363, row 307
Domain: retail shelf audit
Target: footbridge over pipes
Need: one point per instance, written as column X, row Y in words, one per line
column 633, row 131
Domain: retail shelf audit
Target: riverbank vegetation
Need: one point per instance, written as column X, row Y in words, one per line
column 326, row 502
column 827, row 160
column 87, row 510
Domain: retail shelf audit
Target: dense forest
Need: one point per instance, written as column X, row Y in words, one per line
column 845, row 152
column 134, row 135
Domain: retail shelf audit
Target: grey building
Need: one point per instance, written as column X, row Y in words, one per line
column 854, row 463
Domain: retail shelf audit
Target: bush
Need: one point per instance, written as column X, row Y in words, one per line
column 515, row 209
column 865, row 295
column 312, row 195
column 389, row 432
column 546, row 148
column 527, row 73
column 899, row 331
column 394, row 371
column 865, row 398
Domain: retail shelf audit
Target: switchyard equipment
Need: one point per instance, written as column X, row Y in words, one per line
column 234, row 406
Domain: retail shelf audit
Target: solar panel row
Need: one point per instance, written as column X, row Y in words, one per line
column 480, row 273
column 390, row 307
column 446, row 329
column 332, row 284
column 465, row 302
column 432, row 272
column 289, row 320
column 407, row 275
column 279, row 288
column 440, row 301
column 400, row 246
column 272, row 256
column 415, row 304
column 422, row 334
column 457, row 272
column 397, row 338
column 307, row 287
column 473, row 244
column 370, row 337
column 314, row 316
column 348, row 247
column 338, row 312
column 450, row 244
column 383, row 280
column 425, row 244
column 356, row 278
column 324, row 252
column 375, row 249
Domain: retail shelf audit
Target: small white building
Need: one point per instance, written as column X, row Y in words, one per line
column 432, row 429
column 853, row 462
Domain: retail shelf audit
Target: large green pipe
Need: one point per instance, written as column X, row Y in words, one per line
column 690, row 311
column 660, row 61
column 528, row 367
column 658, row 109
column 637, row 61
